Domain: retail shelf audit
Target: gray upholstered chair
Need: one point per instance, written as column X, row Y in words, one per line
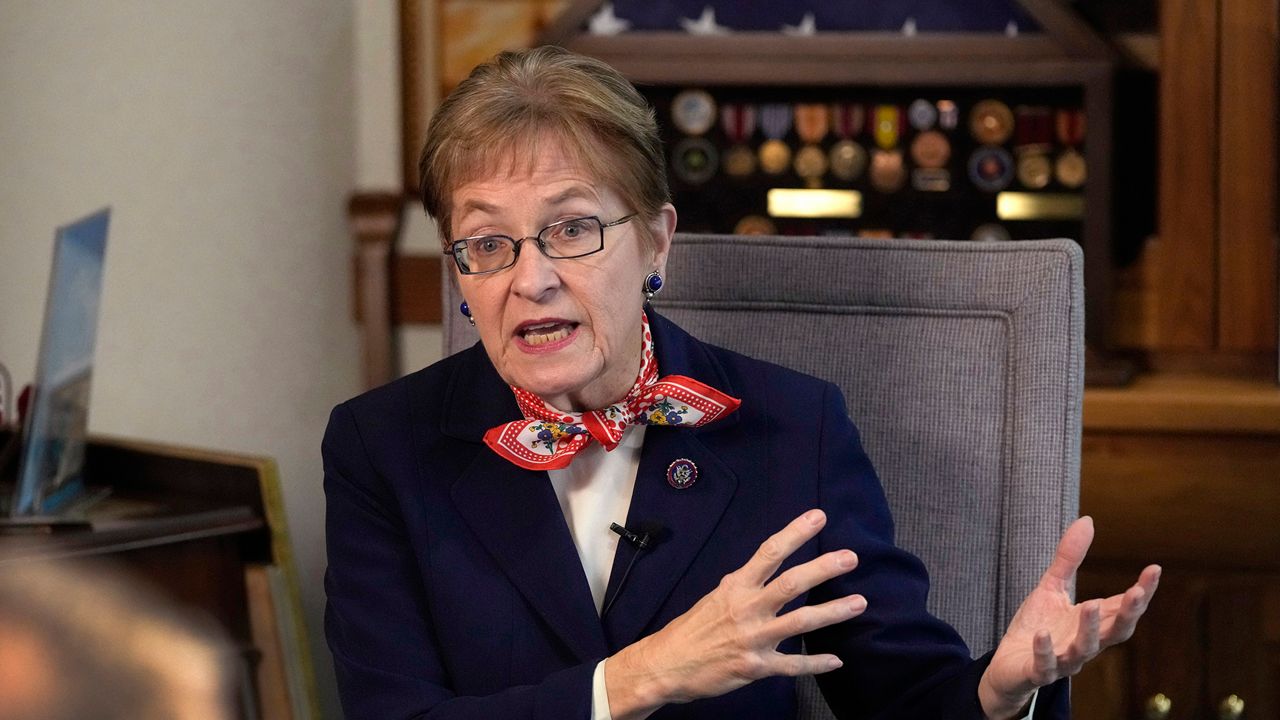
column 962, row 364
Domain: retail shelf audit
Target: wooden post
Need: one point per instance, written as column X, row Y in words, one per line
column 375, row 223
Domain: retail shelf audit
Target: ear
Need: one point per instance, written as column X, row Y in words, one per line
column 663, row 230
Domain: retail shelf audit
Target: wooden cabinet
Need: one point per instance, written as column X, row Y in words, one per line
column 1185, row 471
column 1209, row 277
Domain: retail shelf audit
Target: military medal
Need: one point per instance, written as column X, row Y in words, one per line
column 755, row 225
column 775, row 157
column 930, row 149
column 991, row 232
column 886, row 126
column 694, row 160
column 775, row 121
column 812, row 124
column 888, row 172
column 948, row 115
column 1070, row 169
column 1034, row 170
column 693, row 111
column 1070, row 125
column 991, row 122
column 1033, row 138
column 990, row 168
column 847, row 159
column 739, row 161
column 847, row 119
column 739, row 123
column 811, row 164
column 1034, row 129
column 922, row 114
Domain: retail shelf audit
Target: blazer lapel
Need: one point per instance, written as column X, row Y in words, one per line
column 682, row 520
column 515, row 515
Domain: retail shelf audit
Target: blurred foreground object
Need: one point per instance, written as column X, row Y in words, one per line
column 76, row 642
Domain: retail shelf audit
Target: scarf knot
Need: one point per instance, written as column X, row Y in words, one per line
column 549, row 439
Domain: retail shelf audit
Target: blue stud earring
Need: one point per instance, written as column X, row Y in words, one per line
column 652, row 284
column 466, row 312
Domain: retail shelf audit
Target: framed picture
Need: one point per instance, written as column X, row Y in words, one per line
column 49, row 474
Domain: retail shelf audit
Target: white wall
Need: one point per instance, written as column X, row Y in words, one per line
column 222, row 134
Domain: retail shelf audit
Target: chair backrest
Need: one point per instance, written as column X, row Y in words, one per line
column 962, row 364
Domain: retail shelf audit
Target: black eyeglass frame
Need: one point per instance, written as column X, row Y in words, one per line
column 453, row 249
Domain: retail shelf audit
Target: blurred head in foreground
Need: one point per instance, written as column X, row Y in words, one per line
column 78, row 643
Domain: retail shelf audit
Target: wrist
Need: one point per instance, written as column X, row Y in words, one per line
column 635, row 688
column 998, row 705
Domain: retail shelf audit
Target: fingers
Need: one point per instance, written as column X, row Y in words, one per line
column 811, row 617
column 1044, row 660
column 768, row 558
column 1072, row 548
column 1130, row 607
column 1086, row 644
column 1047, row 665
column 797, row 665
column 1149, row 579
column 804, row 577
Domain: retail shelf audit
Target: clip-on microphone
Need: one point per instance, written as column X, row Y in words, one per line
column 641, row 541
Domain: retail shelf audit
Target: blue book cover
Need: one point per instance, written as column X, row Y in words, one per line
column 57, row 423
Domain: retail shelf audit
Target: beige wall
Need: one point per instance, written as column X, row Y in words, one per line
column 223, row 136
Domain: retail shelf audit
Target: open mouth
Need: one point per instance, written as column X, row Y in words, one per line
column 545, row 332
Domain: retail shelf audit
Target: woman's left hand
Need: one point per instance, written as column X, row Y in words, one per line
column 1050, row 637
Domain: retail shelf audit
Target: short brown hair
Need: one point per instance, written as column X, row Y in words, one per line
column 519, row 98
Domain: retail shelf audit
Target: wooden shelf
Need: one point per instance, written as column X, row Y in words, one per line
column 1185, row 403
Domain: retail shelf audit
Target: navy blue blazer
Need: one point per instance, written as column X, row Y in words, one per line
column 455, row 590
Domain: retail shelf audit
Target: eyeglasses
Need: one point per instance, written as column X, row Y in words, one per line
column 564, row 240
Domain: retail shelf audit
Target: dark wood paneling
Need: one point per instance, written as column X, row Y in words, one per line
column 1203, row 498
column 413, row 97
column 1187, row 277
column 1247, row 176
column 415, row 291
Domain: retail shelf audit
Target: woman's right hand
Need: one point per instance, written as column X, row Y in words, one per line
column 729, row 638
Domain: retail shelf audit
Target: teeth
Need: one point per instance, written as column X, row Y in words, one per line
column 536, row 336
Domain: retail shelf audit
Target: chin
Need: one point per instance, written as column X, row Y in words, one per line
column 551, row 387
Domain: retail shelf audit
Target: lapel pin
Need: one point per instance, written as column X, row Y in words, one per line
column 682, row 473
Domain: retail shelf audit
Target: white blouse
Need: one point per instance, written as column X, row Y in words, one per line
column 595, row 491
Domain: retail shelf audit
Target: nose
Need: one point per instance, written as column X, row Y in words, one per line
column 534, row 275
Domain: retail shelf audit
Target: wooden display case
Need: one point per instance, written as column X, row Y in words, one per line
column 1062, row 63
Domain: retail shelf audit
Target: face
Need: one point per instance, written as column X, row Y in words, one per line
column 566, row 330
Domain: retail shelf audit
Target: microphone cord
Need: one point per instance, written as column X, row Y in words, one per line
column 639, row 542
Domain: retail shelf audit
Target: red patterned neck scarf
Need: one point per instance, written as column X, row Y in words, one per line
column 548, row 439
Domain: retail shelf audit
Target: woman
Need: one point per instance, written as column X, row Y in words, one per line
column 472, row 569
